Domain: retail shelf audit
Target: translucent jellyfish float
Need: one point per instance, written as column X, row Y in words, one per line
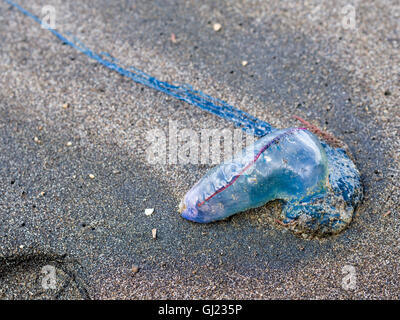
column 319, row 185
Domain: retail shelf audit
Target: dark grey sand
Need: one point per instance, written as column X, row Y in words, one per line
column 93, row 231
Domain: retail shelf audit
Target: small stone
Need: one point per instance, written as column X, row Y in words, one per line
column 21, row 246
column 244, row 63
column 135, row 269
column 42, row 194
column 65, row 106
column 116, row 171
column 69, row 143
column 154, row 233
column 173, row 38
column 91, row 176
column 217, row 27
column 37, row 140
column 148, row 211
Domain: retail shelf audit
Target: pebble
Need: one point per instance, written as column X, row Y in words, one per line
column 154, row 233
column 37, row 140
column 69, row 143
column 135, row 269
column 217, row 27
column 148, row 211
column 91, row 176
column 244, row 63
column 65, row 106
column 173, row 38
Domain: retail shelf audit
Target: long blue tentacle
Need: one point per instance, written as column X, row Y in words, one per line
column 185, row 93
